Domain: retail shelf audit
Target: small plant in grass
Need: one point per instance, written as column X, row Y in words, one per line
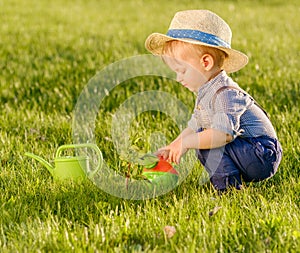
column 130, row 162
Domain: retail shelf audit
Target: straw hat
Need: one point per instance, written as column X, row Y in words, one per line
column 201, row 27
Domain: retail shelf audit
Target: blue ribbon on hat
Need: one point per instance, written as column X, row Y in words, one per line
column 206, row 38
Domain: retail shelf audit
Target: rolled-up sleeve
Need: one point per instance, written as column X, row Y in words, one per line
column 228, row 108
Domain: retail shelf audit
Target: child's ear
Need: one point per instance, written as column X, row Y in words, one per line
column 207, row 61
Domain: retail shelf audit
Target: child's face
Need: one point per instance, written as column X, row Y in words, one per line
column 189, row 71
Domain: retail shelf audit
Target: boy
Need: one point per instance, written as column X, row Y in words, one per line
column 231, row 133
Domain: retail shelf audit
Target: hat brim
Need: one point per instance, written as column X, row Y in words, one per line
column 234, row 61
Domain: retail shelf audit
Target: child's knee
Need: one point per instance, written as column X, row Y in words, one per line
column 259, row 171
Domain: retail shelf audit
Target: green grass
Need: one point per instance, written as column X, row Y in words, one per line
column 49, row 50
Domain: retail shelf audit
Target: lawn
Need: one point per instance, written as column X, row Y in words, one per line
column 51, row 51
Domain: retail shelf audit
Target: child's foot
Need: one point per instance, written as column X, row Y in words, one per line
column 238, row 187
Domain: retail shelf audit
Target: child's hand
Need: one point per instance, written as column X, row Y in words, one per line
column 164, row 154
column 173, row 152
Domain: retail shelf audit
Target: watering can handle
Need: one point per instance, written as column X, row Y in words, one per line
column 84, row 145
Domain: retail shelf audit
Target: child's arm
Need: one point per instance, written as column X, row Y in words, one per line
column 207, row 139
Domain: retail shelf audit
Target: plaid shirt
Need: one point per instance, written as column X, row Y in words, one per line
column 231, row 111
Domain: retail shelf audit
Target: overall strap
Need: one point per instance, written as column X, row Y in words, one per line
column 238, row 89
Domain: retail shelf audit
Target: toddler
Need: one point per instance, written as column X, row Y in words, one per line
column 232, row 135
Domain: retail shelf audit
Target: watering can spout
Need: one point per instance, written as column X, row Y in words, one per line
column 41, row 160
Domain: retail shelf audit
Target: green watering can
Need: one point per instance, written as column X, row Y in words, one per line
column 71, row 167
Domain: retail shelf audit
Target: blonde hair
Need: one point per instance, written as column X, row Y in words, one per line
column 188, row 49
